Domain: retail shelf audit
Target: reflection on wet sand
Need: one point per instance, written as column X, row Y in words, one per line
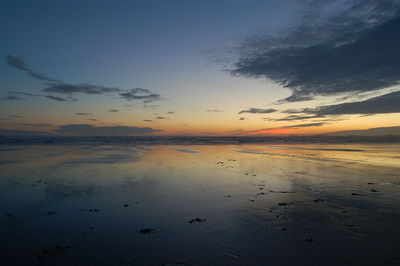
column 200, row 205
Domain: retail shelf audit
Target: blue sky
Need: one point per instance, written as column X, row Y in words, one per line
column 172, row 49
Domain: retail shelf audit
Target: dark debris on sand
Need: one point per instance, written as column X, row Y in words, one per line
column 318, row 200
column 285, row 203
column 52, row 252
column 147, row 231
column 197, row 220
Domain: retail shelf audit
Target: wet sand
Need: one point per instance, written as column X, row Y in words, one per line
column 255, row 204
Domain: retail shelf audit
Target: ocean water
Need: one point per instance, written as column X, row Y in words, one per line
column 205, row 201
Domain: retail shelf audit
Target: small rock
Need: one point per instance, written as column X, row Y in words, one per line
column 126, row 205
column 283, row 228
column 308, row 239
column 354, row 194
column 374, row 190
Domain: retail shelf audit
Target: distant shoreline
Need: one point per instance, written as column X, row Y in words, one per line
column 196, row 140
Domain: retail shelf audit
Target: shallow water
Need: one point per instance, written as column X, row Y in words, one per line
column 257, row 204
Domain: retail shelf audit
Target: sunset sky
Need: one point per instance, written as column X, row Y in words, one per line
column 201, row 67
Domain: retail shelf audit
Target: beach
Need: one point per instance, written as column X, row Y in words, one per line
column 209, row 204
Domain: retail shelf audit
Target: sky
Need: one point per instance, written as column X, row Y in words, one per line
column 199, row 67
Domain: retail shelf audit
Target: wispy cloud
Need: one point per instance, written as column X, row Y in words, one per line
column 60, row 99
column 79, row 88
column 214, row 111
column 144, row 95
column 35, row 124
column 277, row 130
column 61, row 87
column 9, row 117
column 11, row 98
column 388, row 103
column 84, row 114
column 113, row 110
column 258, row 111
column 379, row 131
column 24, row 93
column 161, row 117
column 20, row 64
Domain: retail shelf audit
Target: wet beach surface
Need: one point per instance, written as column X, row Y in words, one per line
column 248, row 204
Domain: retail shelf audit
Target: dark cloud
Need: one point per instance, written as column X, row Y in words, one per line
column 113, row 110
column 214, row 111
column 388, row 103
column 144, row 95
column 60, row 99
column 92, row 119
column 90, row 130
column 306, row 125
column 258, row 111
column 80, row 88
column 242, row 118
column 170, row 113
column 24, row 93
column 11, row 98
column 379, row 131
column 58, row 86
column 161, row 117
column 337, row 47
column 20, row 64
column 147, row 120
column 84, row 114
column 294, row 117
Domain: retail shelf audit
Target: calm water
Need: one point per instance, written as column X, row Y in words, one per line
column 248, row 204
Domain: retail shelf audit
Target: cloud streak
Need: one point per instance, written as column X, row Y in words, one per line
column 258, row 111
column 60, row 99
column 278, row 130
column 144, row 95
column 19, row 63
column 388, row 103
